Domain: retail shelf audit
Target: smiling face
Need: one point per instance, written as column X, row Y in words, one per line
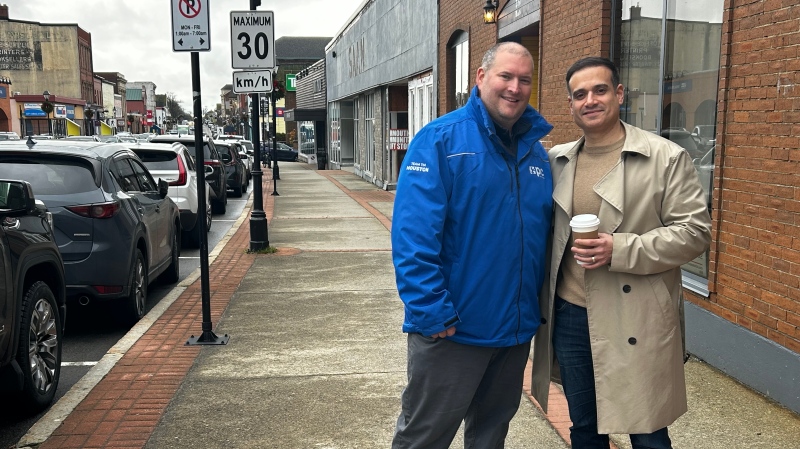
column 594, row 101
column 505, row 86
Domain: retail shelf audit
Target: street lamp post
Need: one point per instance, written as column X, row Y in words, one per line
column 46, row 95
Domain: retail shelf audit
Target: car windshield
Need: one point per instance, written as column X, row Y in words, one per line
column 49, row 177
column 224, row 149
column 158, row 160
column 206, row 149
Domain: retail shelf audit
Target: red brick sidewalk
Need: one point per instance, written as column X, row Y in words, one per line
column 124, row 408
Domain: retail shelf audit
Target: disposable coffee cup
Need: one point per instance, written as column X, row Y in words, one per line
column 584, row 226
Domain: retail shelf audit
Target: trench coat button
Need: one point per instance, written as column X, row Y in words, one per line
column 632, row 340
column 544, row 321
column 626, row 288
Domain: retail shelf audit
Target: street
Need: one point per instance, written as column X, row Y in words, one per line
column 90, row 331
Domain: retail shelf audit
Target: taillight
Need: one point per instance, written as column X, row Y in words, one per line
column 214, row 163
column 181, row 174
column 99, row 210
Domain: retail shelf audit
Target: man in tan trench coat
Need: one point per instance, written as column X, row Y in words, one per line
column 612, row 330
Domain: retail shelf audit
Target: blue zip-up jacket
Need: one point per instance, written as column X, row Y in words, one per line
column 470, row 228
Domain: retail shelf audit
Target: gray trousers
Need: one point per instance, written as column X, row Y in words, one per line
column 449, row 383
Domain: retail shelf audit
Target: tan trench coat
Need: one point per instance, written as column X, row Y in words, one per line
column 654, row 206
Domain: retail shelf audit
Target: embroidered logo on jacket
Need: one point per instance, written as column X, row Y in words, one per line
column 536, row 171
column 417, row 166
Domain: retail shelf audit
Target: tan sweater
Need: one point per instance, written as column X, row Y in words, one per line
column 592, row 165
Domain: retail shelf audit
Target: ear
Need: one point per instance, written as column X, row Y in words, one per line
column 620, row 94
column 479, row 76
column 569, row 104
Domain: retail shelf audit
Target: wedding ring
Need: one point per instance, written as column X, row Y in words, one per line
column 593, row 261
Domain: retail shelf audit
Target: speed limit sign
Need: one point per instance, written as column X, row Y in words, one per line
column 252, row 39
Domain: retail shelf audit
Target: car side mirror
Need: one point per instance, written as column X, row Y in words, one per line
column 163, row 188
column 18, row 197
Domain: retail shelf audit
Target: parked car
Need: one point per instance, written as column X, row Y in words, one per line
column 705, row 171
column 249, row 150
column 115, row 226
column 285, row 152
column 174, row 164
column 32, row 300
column 217, row 178
column 247, row 160
column 706, row 134
column 234, row 167
column 684, row 139
column 84, row 138
column 9, row 135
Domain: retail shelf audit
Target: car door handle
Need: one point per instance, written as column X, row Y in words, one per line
column 141, row 210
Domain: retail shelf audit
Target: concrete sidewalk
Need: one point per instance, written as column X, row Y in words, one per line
column 316, row 357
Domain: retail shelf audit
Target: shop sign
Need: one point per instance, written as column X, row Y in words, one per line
column 34, row 110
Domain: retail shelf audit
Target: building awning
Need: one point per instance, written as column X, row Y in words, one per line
column 106, row 130
column 305, row 115
column 73, row 129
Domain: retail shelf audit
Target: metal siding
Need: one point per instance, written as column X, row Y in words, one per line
column 388, row 41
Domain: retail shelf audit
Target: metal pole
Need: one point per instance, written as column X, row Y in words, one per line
column 207, row 337
column 274, row 146
column 259, row 233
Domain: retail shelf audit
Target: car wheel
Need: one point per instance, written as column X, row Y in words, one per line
column 220, row 206
column 208, row 217
column 173, row 272
column 39, row 352
column 237, row 191
column 137, row 298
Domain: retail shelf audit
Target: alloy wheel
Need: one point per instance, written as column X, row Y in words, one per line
column 43, row 345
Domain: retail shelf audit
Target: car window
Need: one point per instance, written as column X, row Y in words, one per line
column 248, row 146
column 189, row 160
column 223, row 149
column 146, row 181
column 158, row 160
column 125, row 176
column 50, row 176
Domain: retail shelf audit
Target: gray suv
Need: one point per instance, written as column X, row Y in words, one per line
column 115, row 226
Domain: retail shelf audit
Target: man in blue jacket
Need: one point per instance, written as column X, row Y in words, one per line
column 469, row 233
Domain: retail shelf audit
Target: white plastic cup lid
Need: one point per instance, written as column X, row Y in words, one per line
column 584, row 223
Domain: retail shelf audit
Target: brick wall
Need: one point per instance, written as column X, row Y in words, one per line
column 755, row 254
column 465, row 15
column 571, row 29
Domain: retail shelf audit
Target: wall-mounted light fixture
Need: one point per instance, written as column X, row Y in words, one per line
column 490, row 12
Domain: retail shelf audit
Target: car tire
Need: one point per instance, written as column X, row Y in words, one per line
column 135, row 303
column 208, row 217
column 237, row 191
column 222, row 205
column 39, row 351
column 173, row 272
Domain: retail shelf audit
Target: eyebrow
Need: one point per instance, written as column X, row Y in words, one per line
column 593, row 88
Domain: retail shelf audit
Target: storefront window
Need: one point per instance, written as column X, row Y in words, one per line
column 669, row 64
column 461, row 81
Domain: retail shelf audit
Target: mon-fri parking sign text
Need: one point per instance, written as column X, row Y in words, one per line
column 190, row 26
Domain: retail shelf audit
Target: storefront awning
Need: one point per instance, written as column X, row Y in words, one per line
column 305, row 115
column 106, row 130
column 73, row 129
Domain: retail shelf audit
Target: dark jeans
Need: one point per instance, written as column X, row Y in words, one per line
column 574, row 353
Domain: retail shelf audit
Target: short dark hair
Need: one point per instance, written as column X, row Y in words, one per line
column 594, row 61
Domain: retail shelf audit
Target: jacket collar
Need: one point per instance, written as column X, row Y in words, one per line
column 539, row 126
column 610, row 188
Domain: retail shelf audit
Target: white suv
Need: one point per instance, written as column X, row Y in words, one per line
column 174, row 164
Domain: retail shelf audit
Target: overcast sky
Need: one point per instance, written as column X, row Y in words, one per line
column 135, row 37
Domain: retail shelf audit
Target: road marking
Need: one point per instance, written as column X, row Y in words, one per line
column 224, row 220
column 189, row 257
column 78, row 363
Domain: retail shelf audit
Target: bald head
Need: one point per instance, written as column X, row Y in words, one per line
column 510, row 47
